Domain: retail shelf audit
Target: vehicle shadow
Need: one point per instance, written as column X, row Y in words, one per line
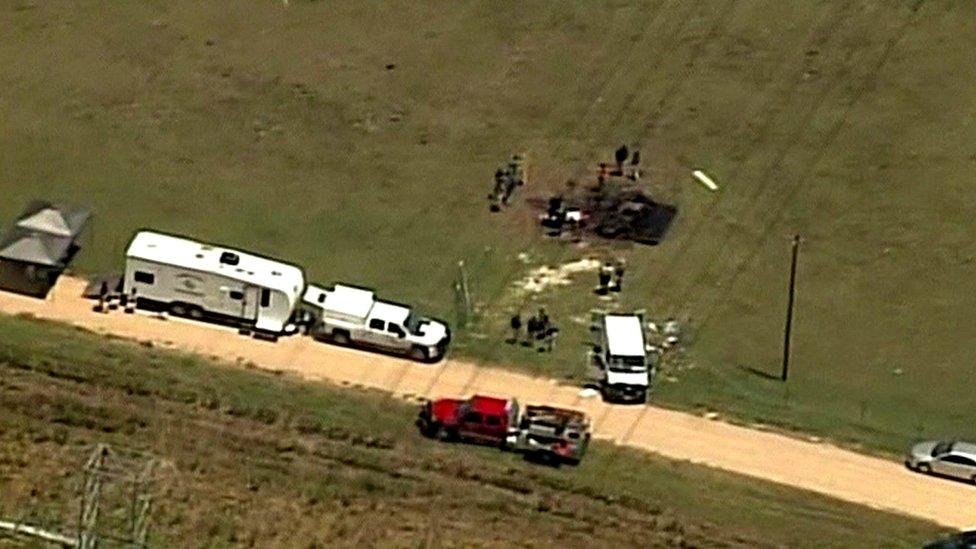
column 377, row 350
column 539, row 458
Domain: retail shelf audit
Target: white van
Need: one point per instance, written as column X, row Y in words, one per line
column 619, row 362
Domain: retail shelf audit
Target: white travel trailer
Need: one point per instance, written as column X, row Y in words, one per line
column 201, row 280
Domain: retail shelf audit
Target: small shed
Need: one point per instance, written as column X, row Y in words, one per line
column 39, row 247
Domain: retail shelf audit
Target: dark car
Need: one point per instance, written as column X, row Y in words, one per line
column 962, row 540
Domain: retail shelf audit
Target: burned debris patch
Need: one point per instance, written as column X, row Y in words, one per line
column 608, row 211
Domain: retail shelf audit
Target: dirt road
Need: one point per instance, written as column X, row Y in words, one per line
column 817, row 467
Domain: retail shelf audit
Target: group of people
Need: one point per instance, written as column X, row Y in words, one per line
column 507, row 179
column 611, row 277
column 620, row 158
column 561, row 218
column 540, row 331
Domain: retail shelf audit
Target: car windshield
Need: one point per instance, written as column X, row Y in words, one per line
column 942, row 448
column 413, row 324
column 627, row 364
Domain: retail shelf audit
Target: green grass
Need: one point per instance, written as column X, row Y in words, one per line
column 270, row 128
column 253, row 458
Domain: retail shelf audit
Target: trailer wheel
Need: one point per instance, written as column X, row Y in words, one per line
column 340, row 337
column 419, row 354
column 196, row 313
column 178, row 309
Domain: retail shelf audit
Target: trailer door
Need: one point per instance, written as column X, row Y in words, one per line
column 251, row 297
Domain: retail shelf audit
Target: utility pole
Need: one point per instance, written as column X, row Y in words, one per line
column 464, row 295
column 789, row 309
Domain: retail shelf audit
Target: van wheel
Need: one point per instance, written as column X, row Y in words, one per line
column 419, row 354
column 340, row 338
column 924, row 468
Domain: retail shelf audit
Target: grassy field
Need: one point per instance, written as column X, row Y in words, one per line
column 249, row 458
column 359, row 138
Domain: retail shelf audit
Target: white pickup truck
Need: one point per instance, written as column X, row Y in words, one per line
column 347, row 315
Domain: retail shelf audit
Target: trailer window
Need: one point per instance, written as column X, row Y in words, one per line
column 236, row 296
column 143, row 277
column 230, row 258
column 265, row 297
column 493, row 421
column 376, row 324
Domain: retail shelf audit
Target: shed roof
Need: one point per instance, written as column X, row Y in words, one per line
column 27, row 246
column 53, row 219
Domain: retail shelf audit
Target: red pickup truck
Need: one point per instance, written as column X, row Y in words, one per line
column 480, row 419
column 556, row 434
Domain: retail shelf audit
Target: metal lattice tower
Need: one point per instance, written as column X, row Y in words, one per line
column 130, row 475
column 115, row 503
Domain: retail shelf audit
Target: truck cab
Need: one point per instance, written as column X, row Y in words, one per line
column 619, row 363
column 479, row 419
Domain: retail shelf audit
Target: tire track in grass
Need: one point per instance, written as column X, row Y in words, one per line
column 867, row 83
column 715, row 30
column 697, row 50
column 495, row 299
column 830, row 25
column 634, row 424
column 498, row 300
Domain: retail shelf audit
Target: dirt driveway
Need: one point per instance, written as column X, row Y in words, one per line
column 812, row 466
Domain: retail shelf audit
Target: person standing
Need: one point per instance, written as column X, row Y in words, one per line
column 542, row 328
column 102, row 296
column 531, row 328
column 516, row 324
column 605, row 275
column 551, row 332
column 621, row 156
column 635, row 172
column 618, row 273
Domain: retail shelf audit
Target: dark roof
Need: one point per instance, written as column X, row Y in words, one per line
column 20, row 244
column 53, row 219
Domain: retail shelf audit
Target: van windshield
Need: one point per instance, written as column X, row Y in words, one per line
column 627, row 364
